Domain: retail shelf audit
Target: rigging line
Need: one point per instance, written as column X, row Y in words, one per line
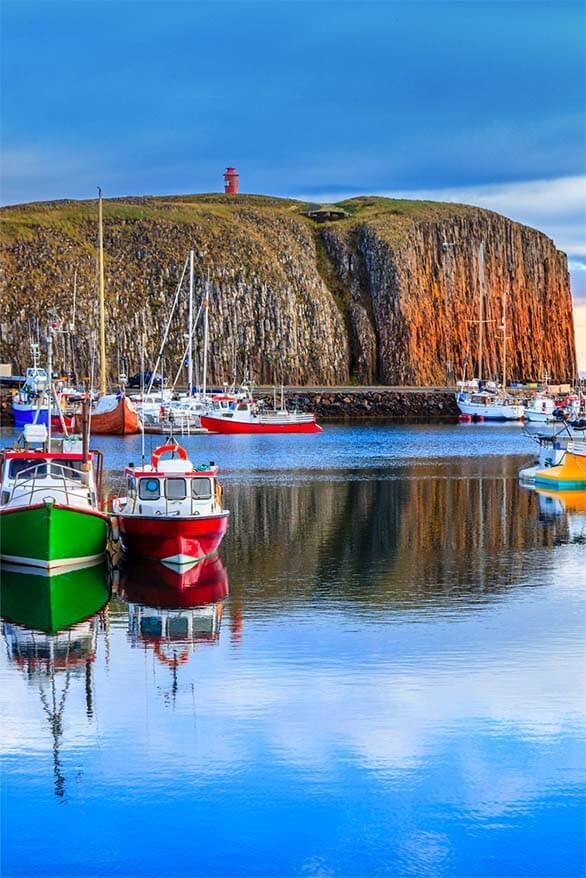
column 168, row 327
column 187, row 347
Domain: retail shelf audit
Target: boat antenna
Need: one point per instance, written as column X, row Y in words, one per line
column 103, row 387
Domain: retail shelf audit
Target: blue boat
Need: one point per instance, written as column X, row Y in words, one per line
column 31, row 404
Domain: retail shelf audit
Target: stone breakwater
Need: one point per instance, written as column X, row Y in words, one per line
column 394, row 404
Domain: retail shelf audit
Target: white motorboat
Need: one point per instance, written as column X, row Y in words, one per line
column 489, row 406
column 540, row 409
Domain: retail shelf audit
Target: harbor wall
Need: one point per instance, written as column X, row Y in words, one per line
column 408, row 405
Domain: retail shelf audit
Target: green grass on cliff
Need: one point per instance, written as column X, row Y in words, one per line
column 21, row 221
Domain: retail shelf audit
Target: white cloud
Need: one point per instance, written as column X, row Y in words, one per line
column 556, row 207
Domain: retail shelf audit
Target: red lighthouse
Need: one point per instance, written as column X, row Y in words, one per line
column 231, row 181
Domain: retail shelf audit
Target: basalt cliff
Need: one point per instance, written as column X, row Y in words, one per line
column 372, row 290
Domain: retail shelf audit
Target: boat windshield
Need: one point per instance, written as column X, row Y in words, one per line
column 22, row 469
column 26, row 466
column 201, row 488
column 175, row 489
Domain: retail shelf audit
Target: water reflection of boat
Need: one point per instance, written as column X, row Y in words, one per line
column 50, row 603
column 571, row 505
column 171, row 621
column 157, row 585
column 50, row 634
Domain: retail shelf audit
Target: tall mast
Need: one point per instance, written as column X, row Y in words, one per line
column 190, row 345
column 480, row 307
column 50, row 387
column 103, row 387
column 504, row 350
column 206, row 335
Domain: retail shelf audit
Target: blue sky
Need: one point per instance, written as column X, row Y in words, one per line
column 309, row 99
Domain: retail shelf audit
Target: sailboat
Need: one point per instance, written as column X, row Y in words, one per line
column 479, row 400
column 114, row 414
column 50, row 502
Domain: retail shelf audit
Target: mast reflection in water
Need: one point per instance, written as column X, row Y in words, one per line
column 393, row 685
column 52, row 638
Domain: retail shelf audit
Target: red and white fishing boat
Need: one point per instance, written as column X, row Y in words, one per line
column 248, row 416
column 172, row 511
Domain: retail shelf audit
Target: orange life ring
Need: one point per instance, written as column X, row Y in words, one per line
column 167, row 660
column 167, row 449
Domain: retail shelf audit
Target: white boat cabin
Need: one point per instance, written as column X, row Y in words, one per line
column 171, row 487
column 29, row 477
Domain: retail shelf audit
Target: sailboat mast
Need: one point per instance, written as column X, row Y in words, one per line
column 206, row 336
column 190, row 346
column 504, row 351
column 50, row 387
column 103, row 387
column 480, row 307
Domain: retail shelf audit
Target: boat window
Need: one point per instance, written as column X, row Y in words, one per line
column 27, row 468
column 201, row 488
column 149, row 489
column 178, row 627
column 176, row 489
column 242, row 406
column 131, row 486
column 69, row 469
column 151, row 626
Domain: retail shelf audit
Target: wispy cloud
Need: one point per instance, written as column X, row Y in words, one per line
column 556, row 207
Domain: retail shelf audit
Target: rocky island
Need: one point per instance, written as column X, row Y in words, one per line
column 369, row 291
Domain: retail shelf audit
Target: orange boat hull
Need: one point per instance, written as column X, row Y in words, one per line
column 123, row 420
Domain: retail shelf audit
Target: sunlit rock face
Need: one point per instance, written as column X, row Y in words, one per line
column 387, row 294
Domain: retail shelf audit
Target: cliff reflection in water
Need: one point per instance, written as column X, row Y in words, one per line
column 415, row 536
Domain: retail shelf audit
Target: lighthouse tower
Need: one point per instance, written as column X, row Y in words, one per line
column 231, row 181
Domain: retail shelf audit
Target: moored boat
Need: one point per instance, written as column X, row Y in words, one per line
column 114, row 415
column 570, row 474
column 250, row 417
column 489, row 406
column 552, row 449
column 49, row 509
column 172, row 511
column 540, row 409
column 30, row 405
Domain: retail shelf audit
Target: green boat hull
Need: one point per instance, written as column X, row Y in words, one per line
column 51, row 536
column 50, row 603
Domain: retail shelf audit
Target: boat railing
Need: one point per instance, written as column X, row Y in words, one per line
column 577, row 447
column 297, row 417
column 25, row 486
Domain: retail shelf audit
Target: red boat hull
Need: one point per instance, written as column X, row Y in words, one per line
column 228, row 425
column 176, row 541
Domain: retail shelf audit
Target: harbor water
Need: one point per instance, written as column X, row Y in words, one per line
column 381, row 674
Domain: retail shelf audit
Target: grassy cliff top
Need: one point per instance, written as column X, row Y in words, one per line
column 20, row 221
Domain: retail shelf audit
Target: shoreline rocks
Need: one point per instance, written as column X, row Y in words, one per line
column 404, row 405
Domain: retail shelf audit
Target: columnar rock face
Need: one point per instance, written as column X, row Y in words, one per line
column 389, row 294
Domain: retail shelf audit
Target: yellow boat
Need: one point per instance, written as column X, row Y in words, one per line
column 570, row 475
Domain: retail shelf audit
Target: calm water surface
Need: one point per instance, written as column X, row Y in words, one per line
column 382, row 674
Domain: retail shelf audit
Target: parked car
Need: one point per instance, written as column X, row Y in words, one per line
column 138, row 379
